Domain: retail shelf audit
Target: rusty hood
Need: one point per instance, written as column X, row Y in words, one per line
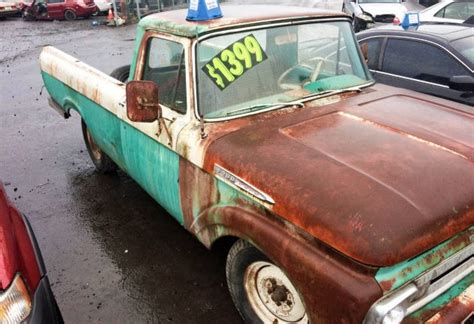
column 380, row 179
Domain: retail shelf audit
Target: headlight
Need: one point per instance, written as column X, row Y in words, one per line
column 365, row 17
column 392, row 308
column 15, row 302
column 395, row 316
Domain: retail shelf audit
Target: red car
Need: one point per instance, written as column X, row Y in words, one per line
column 58, row 9
column 25, row 293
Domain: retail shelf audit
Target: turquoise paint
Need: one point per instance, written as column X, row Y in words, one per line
column 446, row 297
column 416, row 265
column 151, row 164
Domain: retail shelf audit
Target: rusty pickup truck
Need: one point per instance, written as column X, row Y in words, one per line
column 346, row 201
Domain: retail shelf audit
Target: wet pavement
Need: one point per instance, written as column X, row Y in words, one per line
column 113, row 255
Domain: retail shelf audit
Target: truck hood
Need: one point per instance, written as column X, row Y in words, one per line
column 380, row 180
column 376, row 9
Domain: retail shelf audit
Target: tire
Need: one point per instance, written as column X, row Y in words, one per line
column 247, row 267
column 70, row 15
column 122, row 73
column 102, row 162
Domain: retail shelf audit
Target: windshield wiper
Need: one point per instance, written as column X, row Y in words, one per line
column 265, row 105
column 329, row 92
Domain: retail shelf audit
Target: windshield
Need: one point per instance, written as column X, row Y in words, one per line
column 379, row 1
column 464, row 46
column 258, row 69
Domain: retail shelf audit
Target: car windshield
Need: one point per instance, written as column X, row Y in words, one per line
column 464, row 46
column 260, row 69
column 379, row 1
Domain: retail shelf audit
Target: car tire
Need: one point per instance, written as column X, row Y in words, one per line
column 246, row 267
column 69, row 15
column 122, row 73
column 102, row 162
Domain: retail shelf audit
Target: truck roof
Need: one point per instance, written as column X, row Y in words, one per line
column 174, row 22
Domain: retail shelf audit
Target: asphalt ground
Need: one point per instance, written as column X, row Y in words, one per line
column 113, row 255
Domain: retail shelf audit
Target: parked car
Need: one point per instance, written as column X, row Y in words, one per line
column 25, row 292
column 448, row 11
column 58, row 9
column 8, row 9
column 366, row 13
column 345, row 200
column 430, row 58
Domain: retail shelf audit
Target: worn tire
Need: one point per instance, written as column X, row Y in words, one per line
column 240, row 258
column 102, row 162
column 69, row 15
column 122, row 73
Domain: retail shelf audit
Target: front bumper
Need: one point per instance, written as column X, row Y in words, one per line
column 9, row 13
column 45, row 308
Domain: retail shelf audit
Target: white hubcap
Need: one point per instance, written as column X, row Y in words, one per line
column 272, row 296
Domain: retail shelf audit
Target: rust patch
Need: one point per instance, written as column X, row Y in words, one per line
column 198, row 191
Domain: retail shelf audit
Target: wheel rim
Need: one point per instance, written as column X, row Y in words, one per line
column 95, row 150
column 272, row 296
column 69, row 15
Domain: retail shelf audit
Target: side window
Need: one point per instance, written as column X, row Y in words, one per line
column 165, row 65
column 371, row 49
column 456, row 10
column 55, row 1
column 420, row 61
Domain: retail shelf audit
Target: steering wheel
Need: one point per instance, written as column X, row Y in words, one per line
column 315, row 71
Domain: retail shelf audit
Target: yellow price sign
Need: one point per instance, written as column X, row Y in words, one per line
column 233, row 61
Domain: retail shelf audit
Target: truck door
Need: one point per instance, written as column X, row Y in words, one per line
column 150, row 154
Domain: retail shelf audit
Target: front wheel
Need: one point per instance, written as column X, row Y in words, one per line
column 261, row 291
column 102, row 162
column 69, row 15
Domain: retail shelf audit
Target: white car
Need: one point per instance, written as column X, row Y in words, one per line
column 449, row 11
column 103, row 5
column 367, row 12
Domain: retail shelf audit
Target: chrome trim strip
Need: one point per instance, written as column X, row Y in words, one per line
column 411, row 79
column 229, row 177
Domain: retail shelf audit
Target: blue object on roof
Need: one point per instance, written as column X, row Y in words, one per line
column 200, row 10
column 410, row 19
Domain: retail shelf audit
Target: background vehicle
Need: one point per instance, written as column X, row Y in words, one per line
column 430, row 58
column 448, row 11
column 58, row 9
column 365, row 13
column 8, row 9
column 103, row 5
column 25, row 293
column 324, row 182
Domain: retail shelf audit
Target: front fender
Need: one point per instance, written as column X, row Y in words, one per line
column 333, row 287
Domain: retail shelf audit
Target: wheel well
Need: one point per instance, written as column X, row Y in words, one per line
column 222, row 245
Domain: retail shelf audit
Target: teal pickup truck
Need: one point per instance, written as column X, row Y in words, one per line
column 347, row 201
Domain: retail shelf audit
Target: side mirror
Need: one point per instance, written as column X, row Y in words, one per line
column 142, row 101
column 463, row 83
